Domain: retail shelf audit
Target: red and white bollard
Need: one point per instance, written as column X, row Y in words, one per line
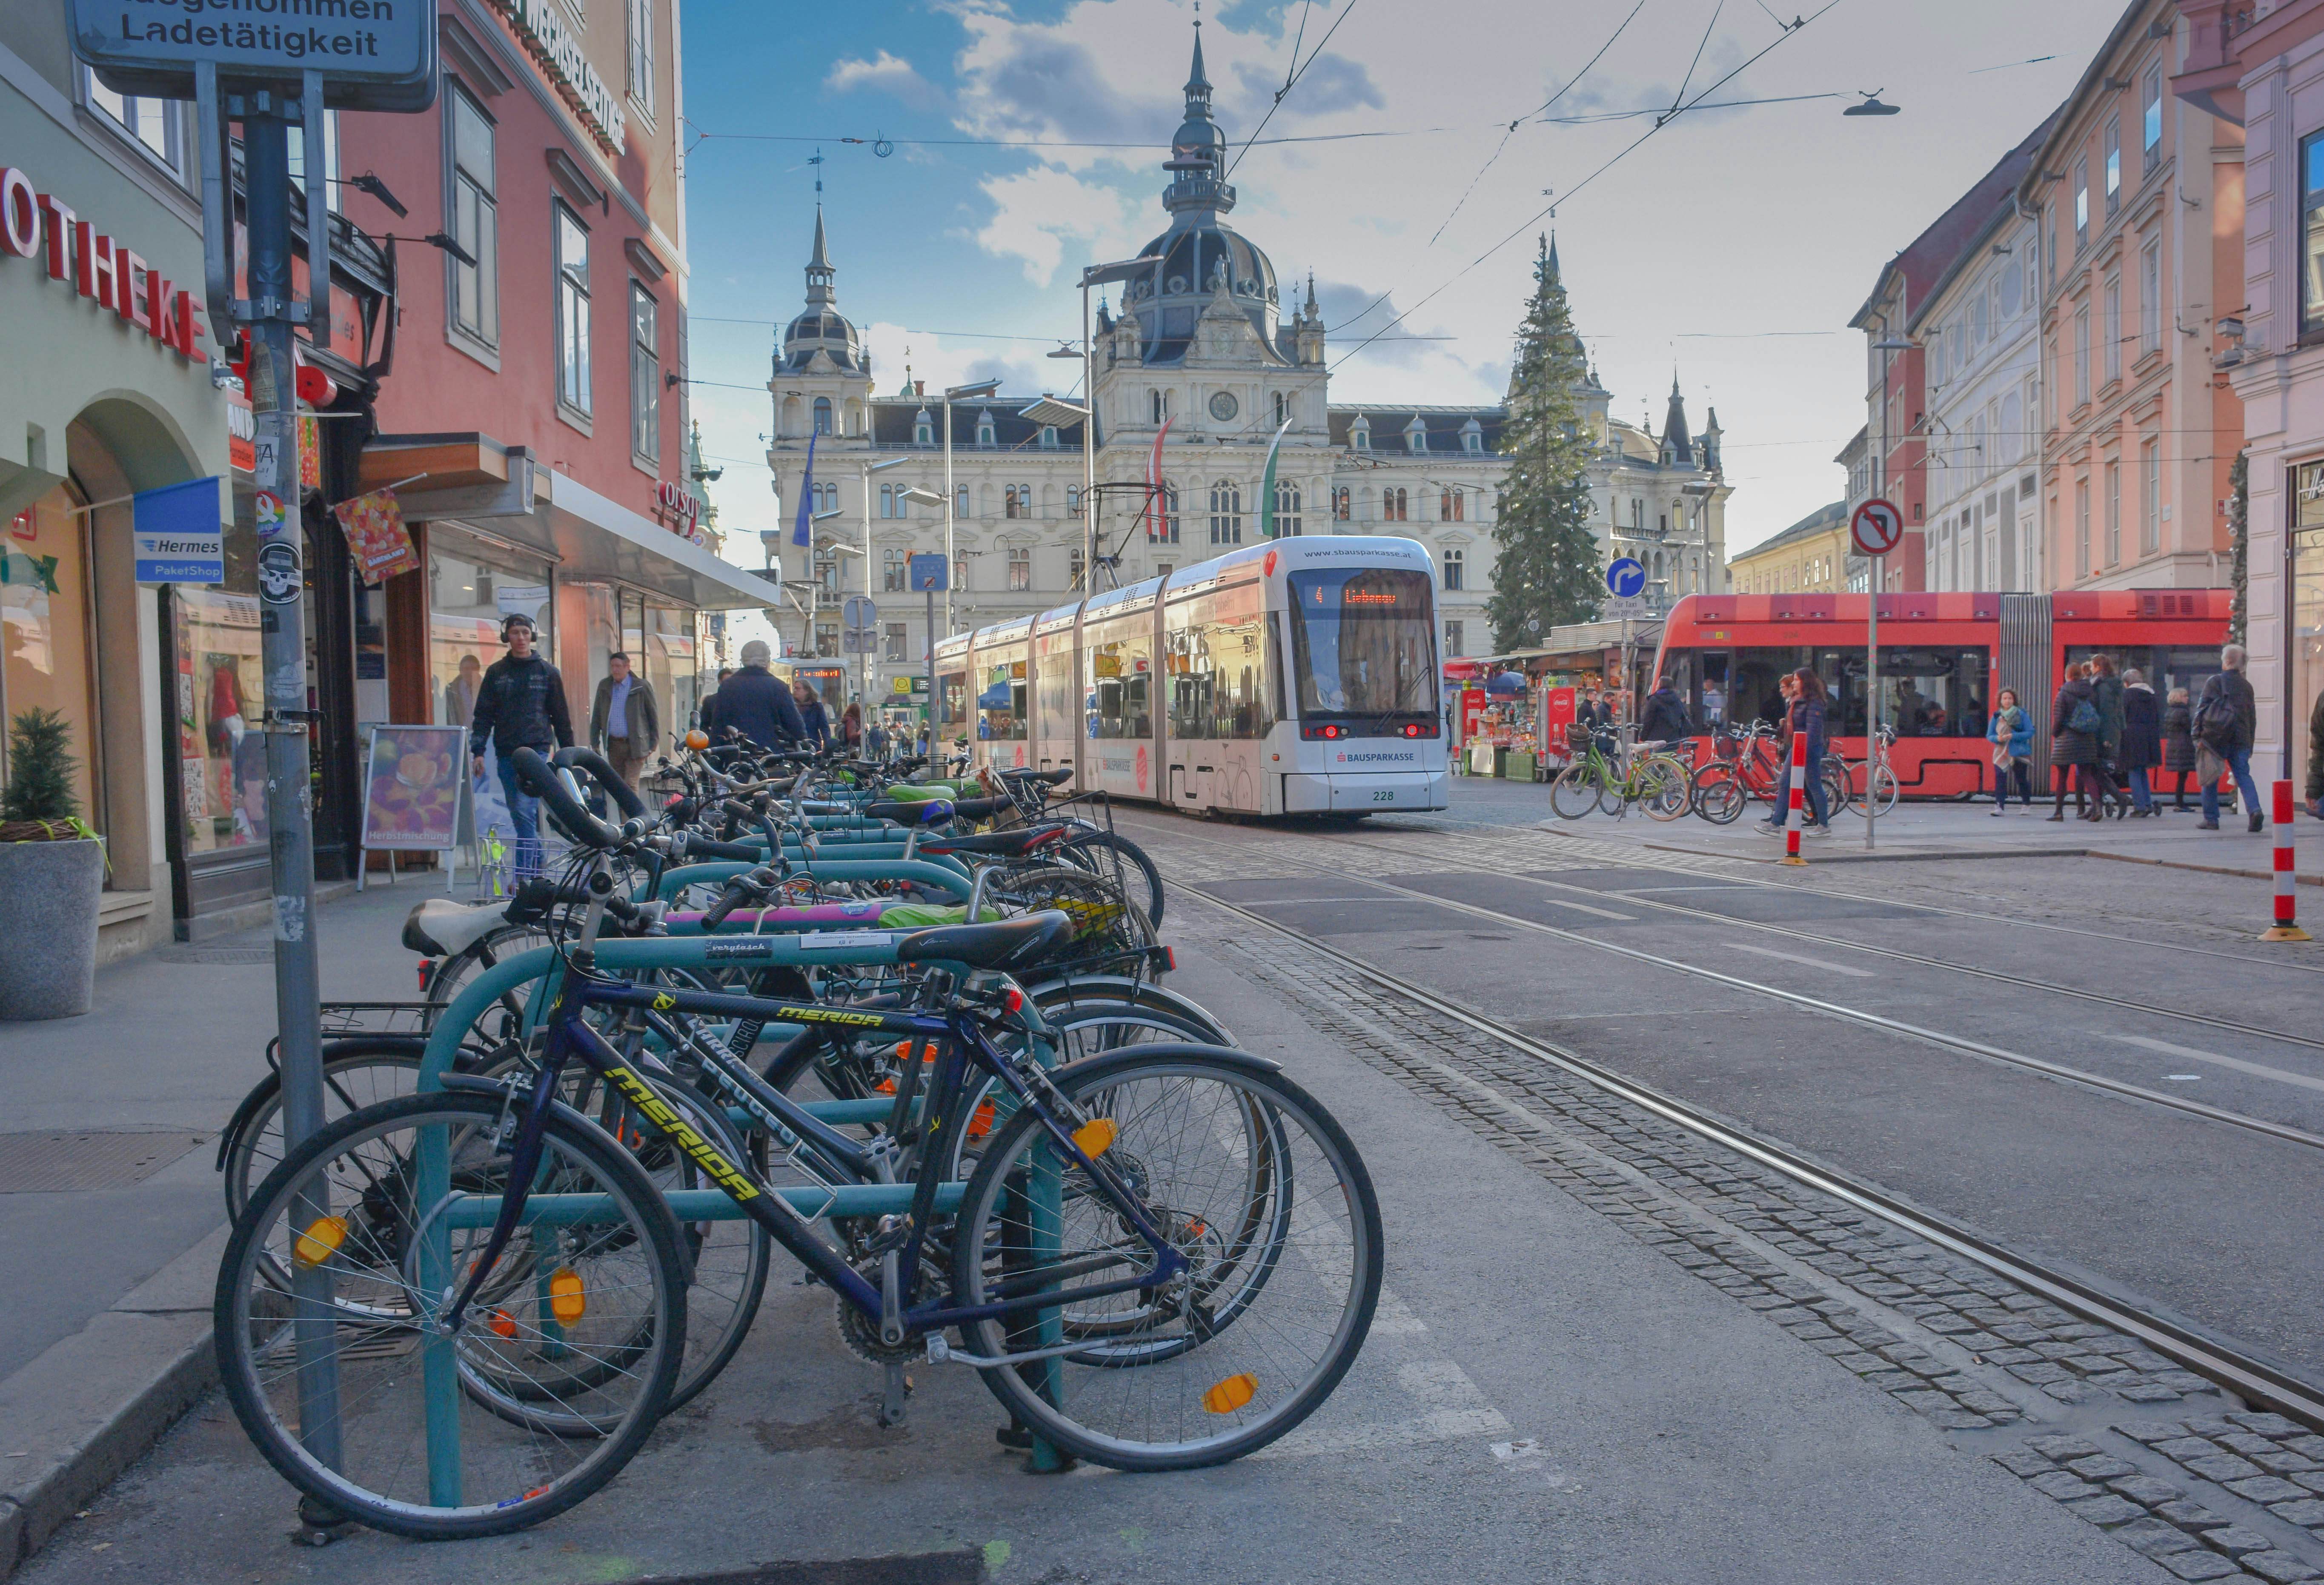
column 2287, row 902
column 1797, row 815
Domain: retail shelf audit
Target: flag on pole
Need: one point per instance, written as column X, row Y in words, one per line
column 803, row 532
column 1267, row 486
column 1156, row 502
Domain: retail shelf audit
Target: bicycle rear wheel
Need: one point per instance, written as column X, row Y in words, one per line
column 1575, row 791
column 1100, row 852
column 1251, row 1181
column 1717, row 796
column 581, row 1323
column 1663, row 789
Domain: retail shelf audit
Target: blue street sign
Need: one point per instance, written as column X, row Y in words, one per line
column 926, row 572
column 1626, row 577
column 178, row 533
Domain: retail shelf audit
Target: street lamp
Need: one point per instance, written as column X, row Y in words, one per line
column 868, row 469
column 920, row 497
column 1871, row 105
column 1097, row 275
column 953, row 393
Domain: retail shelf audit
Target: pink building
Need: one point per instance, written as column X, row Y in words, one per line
column 2265, row 74
column 2141, row 197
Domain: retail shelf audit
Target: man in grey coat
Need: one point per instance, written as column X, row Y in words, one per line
column 625, row 720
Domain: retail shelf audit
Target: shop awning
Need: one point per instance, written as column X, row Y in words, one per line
column 474, row 479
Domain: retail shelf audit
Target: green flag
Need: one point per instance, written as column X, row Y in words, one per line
column 1267, row 486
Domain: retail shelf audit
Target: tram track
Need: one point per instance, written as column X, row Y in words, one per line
column 2253, row 1379
column 1841, row 1011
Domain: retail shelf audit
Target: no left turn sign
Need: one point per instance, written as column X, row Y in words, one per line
column 1878, row 528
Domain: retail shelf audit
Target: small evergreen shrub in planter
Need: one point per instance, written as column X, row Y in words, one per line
column 52, row 875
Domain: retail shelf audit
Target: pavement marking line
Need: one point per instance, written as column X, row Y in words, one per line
column 1768, row 952
column 1451, row 1405
column 1643, row 890
column 1289, row 902
column 2257, row 1069
column 1559, row 902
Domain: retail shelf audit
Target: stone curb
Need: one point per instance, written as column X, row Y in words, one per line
column 93, row 1404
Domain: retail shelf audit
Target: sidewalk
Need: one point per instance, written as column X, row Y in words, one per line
column 111, row 1217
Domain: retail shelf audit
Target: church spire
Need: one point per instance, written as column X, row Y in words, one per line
column 819, row 273
column 1677, row 446
column 1198, row 148
column 1549, row 254
column 1198, row 82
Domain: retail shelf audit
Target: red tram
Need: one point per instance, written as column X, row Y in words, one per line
column 1942, row 658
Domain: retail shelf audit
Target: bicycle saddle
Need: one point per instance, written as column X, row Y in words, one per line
column 1006, row 844
column 440, row 927
column 1057, row 778
column 1022, row 940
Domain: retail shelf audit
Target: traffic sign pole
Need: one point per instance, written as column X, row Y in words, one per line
column 1877, row 527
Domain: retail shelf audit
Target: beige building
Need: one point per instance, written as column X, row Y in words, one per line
column 1809, row 556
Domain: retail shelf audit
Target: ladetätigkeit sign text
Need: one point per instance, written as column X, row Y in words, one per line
column 373, row 54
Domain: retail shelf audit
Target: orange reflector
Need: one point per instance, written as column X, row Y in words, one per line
column 1094, row 1136
column 1232, row 1394
column 979, row 1122
column 320, row 1241
column 565, row 1301
column 502, row 1325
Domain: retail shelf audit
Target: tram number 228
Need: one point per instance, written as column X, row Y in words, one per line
column 1384, row 798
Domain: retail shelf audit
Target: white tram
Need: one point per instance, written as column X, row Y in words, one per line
column 1296, row 677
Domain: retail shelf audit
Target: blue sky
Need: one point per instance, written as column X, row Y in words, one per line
column 1731, row 244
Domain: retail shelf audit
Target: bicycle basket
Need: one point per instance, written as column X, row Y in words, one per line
column 1105, row 922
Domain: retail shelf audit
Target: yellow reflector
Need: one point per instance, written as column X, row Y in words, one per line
column 1232, row 1394
column 320, row 1241
column 1094, row 1136
column 565, row 1301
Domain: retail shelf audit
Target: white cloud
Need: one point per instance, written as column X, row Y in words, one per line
column 1035, row 213
column 883, row 73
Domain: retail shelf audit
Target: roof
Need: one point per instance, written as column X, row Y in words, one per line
column 2094, row 74
column 894, row 420
column 1824, row 520
column 1444, row 425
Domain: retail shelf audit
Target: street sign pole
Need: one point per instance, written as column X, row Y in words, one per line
column 1876, row 528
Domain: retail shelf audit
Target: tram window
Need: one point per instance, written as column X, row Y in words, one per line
column 1001, row 701
column 1217, row 663
column 951, row 702
column 1944, row 692
column 1757, row 673
column 2164, row 666
column 1056, row 685
column 1119, row 700
column 1365, row 643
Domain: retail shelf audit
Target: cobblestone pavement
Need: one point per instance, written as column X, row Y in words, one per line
column 1941, row 1335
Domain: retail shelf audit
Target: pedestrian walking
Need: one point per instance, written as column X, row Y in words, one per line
column 2074, row 743
column 625, row 719
column 2179, row 756
column 1665, row 720
column 814, row 731
column 706, row 714
column 2142, row 740
column 1807, row 716
column 850, row 729
column 2011, row 734
column 2106, row 689
column 754, row 702
column 520, row 705
column 2227, row 721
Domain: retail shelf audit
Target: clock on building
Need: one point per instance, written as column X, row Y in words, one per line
column 1222, row 406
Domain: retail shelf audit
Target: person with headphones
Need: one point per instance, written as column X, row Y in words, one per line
column 520, row 706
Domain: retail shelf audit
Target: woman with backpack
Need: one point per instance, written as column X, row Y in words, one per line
column 2178, row 743
column 2074, row 743
column 2011, row 734
column 2142, row 740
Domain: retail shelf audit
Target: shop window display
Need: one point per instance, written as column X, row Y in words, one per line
column 220, row 697
column 44, row 650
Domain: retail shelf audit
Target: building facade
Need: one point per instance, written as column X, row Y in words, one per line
column 2140, row 196
column 1208, row 356
column 2266, row 73
column 1811, row 557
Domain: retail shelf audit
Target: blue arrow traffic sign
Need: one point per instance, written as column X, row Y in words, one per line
column 1626, row 577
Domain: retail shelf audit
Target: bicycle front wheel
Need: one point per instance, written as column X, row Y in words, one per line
column 576, row 1335
column 1717, row 796
column 1574, row 793
column 1663, row 788
column 1883, row 790
column 1253, row 1184
column 1103, row 854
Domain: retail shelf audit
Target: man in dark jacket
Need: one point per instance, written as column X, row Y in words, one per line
column 756, row 703
column 2233, row 687
column 706, row 714
column 520, row 706
column 1665, row 719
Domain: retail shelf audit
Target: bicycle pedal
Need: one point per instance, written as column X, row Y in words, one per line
column 1013, row 1435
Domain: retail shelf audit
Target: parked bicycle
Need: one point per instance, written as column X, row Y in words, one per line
column 1655, row 780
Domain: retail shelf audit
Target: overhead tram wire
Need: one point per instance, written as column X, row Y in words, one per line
column 1538, row 115
column 1298, row 71
column 1568, row 194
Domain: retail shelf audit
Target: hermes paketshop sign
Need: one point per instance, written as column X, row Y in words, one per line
column 373, row 54
column 545, row 33
column 44, row 229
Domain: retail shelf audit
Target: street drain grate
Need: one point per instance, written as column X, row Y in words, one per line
column 214, row 955
column 48, row 1164
column 962, row 1566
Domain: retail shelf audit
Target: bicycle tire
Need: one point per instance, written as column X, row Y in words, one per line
column 1084, row 851
column 1574, row 793
column 385, row 1222
column 1664, row 789
column 349, row 1081
column 1884, row 780
column 1717, row 796
column 1075, row 1405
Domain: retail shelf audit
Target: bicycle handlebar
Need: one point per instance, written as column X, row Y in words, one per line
column 741, row 886
column 534, row 775
column 632, row 807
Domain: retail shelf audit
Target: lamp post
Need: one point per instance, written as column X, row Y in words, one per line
column 869, row 468
column 953, row 393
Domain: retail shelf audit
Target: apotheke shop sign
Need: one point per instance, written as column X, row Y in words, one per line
column 544, row 33
column 108, row 274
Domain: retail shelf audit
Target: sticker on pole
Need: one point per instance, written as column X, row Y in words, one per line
column 1626, row 577
column 279, row 579
column 1878, row 528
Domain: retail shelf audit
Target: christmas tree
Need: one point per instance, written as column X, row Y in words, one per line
column 39, row 770
column 1546, row 566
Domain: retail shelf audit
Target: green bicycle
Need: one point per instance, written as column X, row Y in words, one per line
column 1657, row 780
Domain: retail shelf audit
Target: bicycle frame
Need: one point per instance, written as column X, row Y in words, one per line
column 960, row 1044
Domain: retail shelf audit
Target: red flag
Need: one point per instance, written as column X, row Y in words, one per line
column 1155, row 500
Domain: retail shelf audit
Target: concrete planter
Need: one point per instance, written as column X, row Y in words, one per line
column 51, row 890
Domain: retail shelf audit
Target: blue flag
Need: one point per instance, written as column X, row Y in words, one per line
column 803, row 532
